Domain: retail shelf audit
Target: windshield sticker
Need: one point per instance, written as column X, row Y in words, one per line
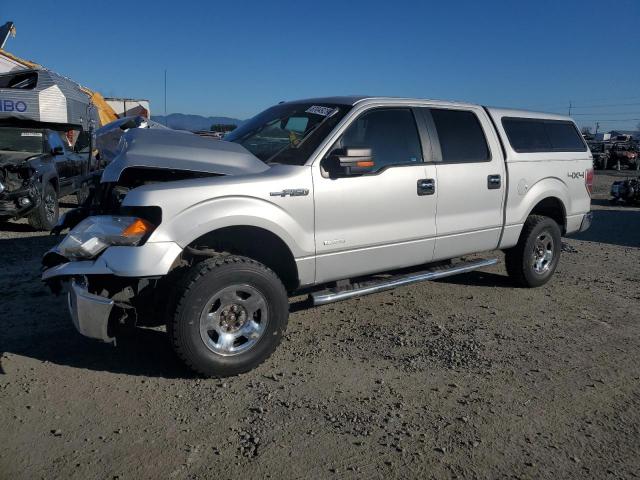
column 31, row 134
column 318, row 110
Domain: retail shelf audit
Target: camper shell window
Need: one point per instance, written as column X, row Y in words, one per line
column 528, row 135
column 22, row 81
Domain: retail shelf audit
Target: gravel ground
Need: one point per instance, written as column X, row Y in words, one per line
column 465, row 377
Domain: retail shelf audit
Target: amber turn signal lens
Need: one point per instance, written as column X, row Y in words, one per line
column 368, row 163
column 138, row 228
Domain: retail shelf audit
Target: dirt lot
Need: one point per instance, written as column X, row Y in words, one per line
column 466, row 377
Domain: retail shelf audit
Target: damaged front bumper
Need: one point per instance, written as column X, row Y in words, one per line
column 90, row 313
column 19, row 202
column 148, row 260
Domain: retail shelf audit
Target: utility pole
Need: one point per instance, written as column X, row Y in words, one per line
column 165, row 97
column 570, row 107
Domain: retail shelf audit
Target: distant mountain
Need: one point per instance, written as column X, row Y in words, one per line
column 180, row 121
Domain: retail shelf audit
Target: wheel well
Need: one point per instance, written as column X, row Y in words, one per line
column 553, row 208
column 258, row 244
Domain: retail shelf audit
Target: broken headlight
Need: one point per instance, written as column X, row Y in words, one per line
column 93, row 234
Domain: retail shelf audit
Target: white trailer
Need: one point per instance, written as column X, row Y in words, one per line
column 130, row 107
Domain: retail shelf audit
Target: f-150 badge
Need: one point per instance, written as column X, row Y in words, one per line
column 292, row 192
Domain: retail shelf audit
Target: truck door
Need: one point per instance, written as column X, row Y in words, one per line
column 470, row 181
column 383, row 219
column 61, row 161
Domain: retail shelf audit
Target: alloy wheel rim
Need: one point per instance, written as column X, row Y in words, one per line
column 542, row 255
column 234, row 319
column 50, row 207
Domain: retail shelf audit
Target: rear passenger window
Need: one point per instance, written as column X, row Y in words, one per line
column 461, row 137
column 539, row 135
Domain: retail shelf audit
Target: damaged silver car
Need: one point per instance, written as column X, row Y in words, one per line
column 336, row 197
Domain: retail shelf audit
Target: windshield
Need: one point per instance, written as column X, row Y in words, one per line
column 21, row 140
column 288, row 133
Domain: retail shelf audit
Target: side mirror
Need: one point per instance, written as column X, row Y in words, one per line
column 350, row 161
column 57, row 151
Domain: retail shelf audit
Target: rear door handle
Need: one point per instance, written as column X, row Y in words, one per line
column 494, row 182
column 426, row 186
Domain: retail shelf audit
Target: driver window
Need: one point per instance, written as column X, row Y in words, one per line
column 54, row 141
column 391, row 134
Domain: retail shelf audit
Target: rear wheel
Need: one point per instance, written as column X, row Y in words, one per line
column 230, row 316
column 532, row 262
column 45, row 216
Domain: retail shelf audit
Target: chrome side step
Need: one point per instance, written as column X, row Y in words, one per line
column 357, row 290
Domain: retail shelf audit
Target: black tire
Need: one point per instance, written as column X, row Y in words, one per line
column 45, row 215
column 526, row 264
column 204, row 348
column 82, row 194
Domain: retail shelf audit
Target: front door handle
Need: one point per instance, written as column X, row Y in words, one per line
column 494, row 182
column 426, row 186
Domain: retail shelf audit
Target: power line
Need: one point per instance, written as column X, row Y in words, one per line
column 620, row 120
column 596, row 105
column 595, row 114
column 573, row 105
column 608, row 105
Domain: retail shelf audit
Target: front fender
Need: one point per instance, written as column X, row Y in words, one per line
column 46, row 171
column 213, row 214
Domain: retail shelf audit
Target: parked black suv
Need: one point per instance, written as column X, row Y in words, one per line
column 37, row 167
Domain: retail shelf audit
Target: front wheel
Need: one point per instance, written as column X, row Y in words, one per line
column 45, row 215
column 533, row 260
column 230, row 316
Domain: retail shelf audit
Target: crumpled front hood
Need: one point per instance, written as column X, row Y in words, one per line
column 14, row 158
column 107, row 137
column 171, row 149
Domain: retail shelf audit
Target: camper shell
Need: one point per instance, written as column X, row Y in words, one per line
column 40, row 95
column 46, row 122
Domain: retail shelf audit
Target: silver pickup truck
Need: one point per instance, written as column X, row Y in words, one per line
column 334, row 197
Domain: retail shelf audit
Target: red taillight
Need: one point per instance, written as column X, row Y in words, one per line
column 588, row 180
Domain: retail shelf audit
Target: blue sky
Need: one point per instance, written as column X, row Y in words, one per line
column 235, row 58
